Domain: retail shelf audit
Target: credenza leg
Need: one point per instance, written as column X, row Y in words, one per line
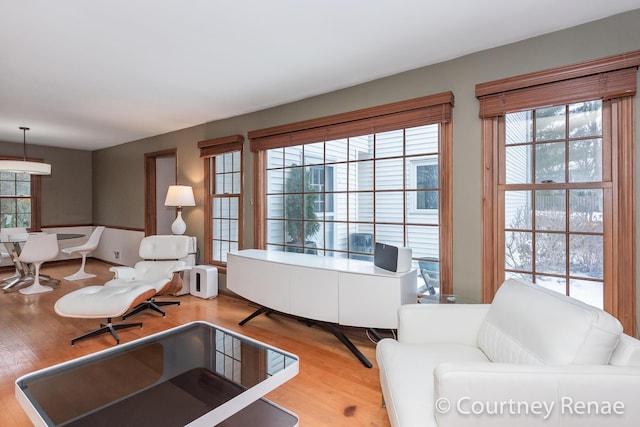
column 344, row 340
column 256, row 313
column 329, row 326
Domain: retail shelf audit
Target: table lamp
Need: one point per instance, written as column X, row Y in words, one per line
column 179, row 196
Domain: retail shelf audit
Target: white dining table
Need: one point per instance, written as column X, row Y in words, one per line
column 24, row 272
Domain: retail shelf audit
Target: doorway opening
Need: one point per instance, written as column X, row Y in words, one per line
column 160, row 171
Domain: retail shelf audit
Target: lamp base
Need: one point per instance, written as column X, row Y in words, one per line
column 178, row 227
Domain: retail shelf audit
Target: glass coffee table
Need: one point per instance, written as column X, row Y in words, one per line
column 197, row 374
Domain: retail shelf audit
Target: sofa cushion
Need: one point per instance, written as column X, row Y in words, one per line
column 530, row 324
column 406, row 377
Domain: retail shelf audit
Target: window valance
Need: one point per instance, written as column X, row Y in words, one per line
column 606, row 78
column 415, row 112
column 216, row 146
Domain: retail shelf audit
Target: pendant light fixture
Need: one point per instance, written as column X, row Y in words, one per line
column 25, row 166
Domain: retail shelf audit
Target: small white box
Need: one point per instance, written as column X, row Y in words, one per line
column 204, row 281
column 190, row 261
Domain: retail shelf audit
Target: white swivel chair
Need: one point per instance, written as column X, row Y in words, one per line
column 84, row 250
column 162, row 267
column 37, row 249
column 133, row 289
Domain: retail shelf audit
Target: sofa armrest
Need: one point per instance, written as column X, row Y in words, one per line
column 533, row 395
column 627, row 352
column 440, row 323
column 122, row 272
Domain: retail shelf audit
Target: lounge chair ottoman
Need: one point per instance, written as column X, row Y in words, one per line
column 103, row 302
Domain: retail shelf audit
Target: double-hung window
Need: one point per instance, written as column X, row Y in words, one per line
column 552, row 201
column 19, row 200
column 558, row 202
column 334, row 186
column 223, row 205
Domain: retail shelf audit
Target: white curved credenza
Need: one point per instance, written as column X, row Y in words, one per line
column 325, row 289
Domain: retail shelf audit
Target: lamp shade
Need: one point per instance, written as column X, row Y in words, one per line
column 180, row 195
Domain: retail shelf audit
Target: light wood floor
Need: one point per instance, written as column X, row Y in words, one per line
column 332, row 389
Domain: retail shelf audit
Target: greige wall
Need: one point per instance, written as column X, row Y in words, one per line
column 118, row 171
column 66, row 194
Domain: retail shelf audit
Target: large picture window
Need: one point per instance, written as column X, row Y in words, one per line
column 373, row 197
column 338, row 196
column 558, row 196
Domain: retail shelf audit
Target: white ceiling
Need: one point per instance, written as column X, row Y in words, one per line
column 93, row 74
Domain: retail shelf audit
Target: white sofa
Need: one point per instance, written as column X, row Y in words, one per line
column 532, row 357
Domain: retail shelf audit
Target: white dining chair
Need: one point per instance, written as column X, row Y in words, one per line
column 37, row 249
column 84, row 250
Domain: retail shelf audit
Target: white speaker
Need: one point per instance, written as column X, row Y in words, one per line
column 392, row 258
column 404, row 260
column 204, row 281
